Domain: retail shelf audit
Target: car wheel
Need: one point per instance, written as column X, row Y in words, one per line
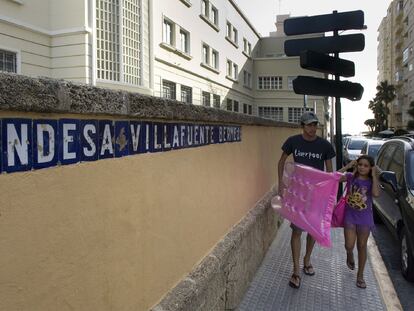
column 407, row 260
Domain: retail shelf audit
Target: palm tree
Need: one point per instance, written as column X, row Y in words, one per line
column 385, row 95
column 380, row 114
column 371, row 123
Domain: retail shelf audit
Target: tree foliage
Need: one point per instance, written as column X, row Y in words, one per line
column 379, row 106
column 371, row 123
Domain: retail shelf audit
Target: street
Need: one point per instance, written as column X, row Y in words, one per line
column 390, row 252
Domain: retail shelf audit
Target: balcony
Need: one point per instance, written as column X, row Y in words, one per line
column 399, row 40
column 399, row 28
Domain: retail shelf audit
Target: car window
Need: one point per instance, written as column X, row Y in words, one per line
column 397, row 165
column 385, row 156
column 345, row 142
column 364, row 148
column 356, row 144
column 410, row 170
column 373, row 150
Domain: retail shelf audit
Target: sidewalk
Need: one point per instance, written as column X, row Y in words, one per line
column 331, row 288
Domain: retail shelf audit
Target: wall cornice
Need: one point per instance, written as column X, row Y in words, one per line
column 45, row 95
column 51, row 33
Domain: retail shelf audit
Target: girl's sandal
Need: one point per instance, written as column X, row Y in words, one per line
column 294, row 281
column 361, row 283
column 350, row 261
column 308, row 270
column 350, row 264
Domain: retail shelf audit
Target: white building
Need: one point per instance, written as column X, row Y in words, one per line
column 100, row 42
column 203, row 52
column 278, row 101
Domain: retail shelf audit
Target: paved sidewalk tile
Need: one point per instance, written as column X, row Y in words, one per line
column 331, row 288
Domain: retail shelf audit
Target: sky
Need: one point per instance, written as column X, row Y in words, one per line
column 262, row 14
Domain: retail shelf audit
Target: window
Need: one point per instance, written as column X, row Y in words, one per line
column 406, row 53
column 274, row 113
column 385, row 156
column 245, row 108
column 204, row 8
column 216, row 101
column 110, row 28
column 210, row 58
column 206, row 99
column 231, row 34
column 235, row 72
column 247, row 78
column 247, row 47
column 206, row 54
column 235, row 35
column 184, row 41
column 168, row 89
column 228, row 30
column 8, row 61
column 215, row 59
column 168, row 32
column 214, row 15
column 232, row 71
column 210, row 14
column 229, row 105
column 250, row 109
column 186, row 94
column 229, row 68
column 270, row 83
column 397, row 165
column 235, row 106
column 290, row 82
column 294, row 114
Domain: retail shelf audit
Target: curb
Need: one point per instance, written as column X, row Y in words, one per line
column 387, row 290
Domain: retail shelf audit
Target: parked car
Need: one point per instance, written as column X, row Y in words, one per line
column 371, row 147
column 345, row 141
column 395, row 204
column 353, row 148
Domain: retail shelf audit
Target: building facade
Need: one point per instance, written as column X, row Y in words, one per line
column 103, row 42
column 395, row 60
column 278, row 101
column 201, row 52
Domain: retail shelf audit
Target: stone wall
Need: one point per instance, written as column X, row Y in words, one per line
column 177, row 230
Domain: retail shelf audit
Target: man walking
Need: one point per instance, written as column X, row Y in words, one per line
column 311, row 150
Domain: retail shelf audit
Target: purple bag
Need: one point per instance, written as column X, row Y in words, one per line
column 338, row 214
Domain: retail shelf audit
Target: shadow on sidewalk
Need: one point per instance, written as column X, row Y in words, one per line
column 331, row 288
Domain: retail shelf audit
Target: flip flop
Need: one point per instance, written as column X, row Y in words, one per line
column 350, row 261
column 308, row 270
column 361, row 283
column 296, row 278
column 350, row 264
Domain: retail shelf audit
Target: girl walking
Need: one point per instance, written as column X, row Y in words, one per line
column 359, row 221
